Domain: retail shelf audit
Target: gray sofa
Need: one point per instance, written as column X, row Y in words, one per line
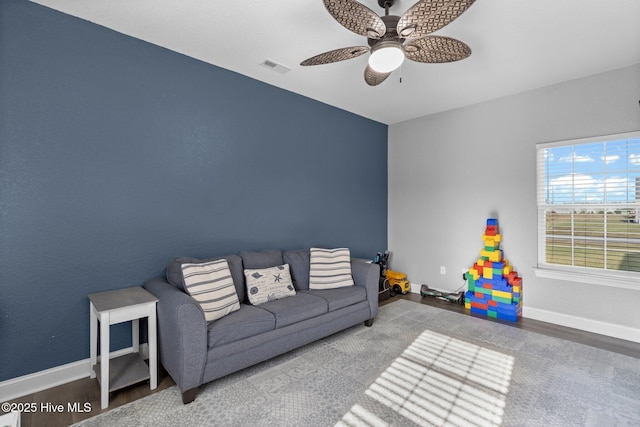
column 195, row 352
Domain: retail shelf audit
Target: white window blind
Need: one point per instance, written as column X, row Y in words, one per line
column 589, row 205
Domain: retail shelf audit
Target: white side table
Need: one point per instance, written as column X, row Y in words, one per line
column 117, row 306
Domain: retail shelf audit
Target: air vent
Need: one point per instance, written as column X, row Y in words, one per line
column 275, row 66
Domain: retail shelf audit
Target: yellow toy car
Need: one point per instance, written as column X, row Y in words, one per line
column 398, row 282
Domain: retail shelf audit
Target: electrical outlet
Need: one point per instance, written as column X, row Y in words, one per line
column 443, row 269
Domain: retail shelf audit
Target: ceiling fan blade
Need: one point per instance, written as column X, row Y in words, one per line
column 374, row 78
column 336, row 55
column 436, row 49
column 356, row 17
column 427, row 16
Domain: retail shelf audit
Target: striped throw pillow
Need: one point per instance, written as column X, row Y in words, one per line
column 211, row 284
column 330, row 268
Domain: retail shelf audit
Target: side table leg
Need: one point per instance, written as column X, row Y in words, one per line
column 93, row 340
column 135, row 335
column 104, row 360
column 153, row 347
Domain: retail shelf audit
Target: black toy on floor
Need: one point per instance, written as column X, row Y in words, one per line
column 452, row 297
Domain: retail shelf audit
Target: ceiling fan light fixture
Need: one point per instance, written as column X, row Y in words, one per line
column 386, row 56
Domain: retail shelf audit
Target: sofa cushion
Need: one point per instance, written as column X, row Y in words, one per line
column 340, row 297
column 174, row 272
column 294, row 309
column 244, row 323
column 261, row 259
column 268, row 284
column 298, row 261
column 211, row 284
column 330, row 268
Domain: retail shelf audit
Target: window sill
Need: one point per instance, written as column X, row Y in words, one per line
column 610, row 280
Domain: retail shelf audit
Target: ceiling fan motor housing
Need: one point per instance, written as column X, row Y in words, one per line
column 391, row 22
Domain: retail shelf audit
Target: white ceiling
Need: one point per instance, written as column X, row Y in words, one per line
column 517, row 45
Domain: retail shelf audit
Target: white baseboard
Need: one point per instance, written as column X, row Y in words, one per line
column 584, row 324
column 589, row 325
column 38, row 381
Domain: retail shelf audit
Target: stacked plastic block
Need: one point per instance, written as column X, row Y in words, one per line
column 494, row 288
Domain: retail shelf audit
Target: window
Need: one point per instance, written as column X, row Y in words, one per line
column 589, row 206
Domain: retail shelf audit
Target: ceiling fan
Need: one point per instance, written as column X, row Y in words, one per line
column 392, row 38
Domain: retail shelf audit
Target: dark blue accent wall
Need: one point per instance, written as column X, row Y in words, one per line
column 117, row 155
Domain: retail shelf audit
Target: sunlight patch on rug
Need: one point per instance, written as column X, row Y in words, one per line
column 439, row 380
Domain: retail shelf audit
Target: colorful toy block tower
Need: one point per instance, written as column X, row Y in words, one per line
column 494, row 288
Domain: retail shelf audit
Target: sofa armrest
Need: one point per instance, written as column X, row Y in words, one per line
column 367, row 274
column 182, row 334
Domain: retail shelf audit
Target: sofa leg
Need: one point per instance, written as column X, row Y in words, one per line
column 189, row 395
column 369, row 322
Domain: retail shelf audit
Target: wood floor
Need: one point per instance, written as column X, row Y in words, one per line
column 604, row 342
column 88, row 391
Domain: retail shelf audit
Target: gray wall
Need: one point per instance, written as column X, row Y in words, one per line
column 117, row 155
column 449, row 172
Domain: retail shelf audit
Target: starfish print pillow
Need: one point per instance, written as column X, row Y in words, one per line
column 268, row 284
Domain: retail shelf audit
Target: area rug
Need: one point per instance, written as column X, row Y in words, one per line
column 416, row 366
